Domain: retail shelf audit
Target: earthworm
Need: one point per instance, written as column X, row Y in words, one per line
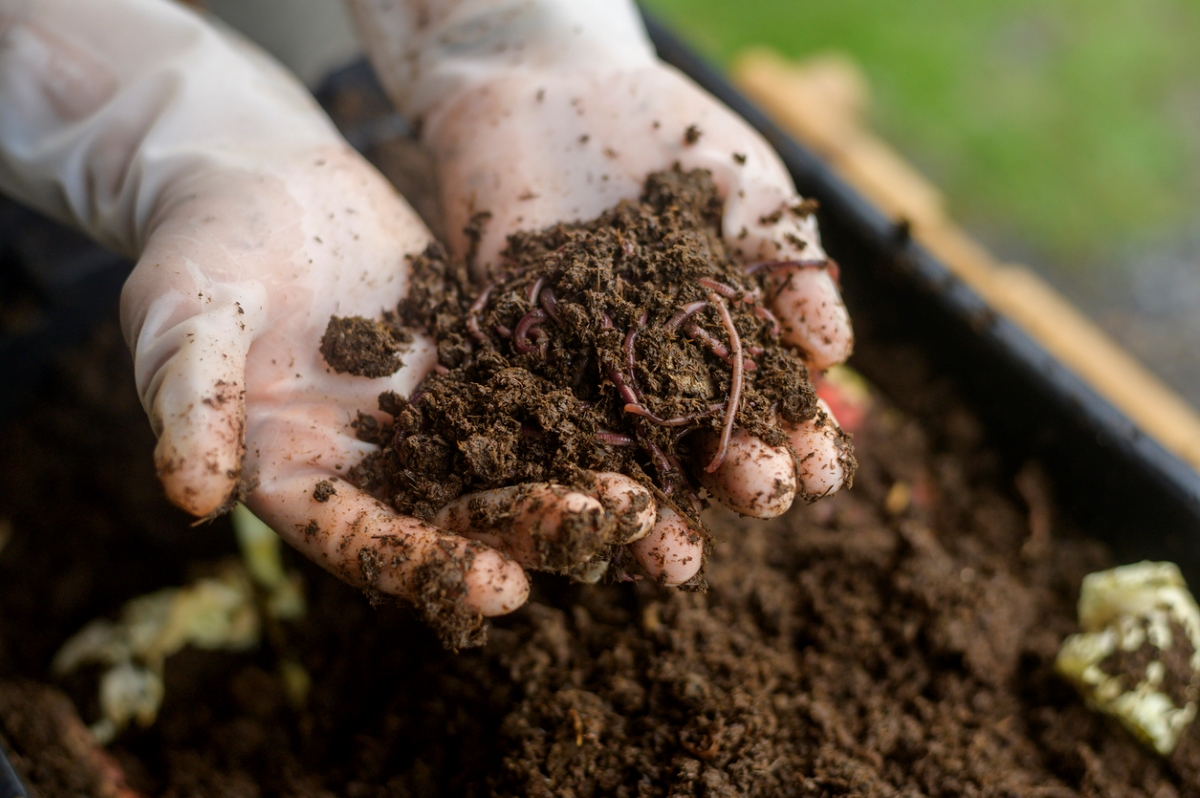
column 618, row 379
column 629, row 353
column 550, row 303
column 503, row 331
column 763, row 313
column 735, row 390
column 535, row 288
column 661, row 463
column 627, row 393
column 527, row 323
column 615, row 439
column 678, row 421
column 727, row 291
column 473, row 314
column 683, row 314
column 828, row 264
column 440, row 369
column 771, row 265
column 716, row 347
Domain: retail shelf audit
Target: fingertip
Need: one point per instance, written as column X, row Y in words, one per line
column 754, row 479
column 812, row 316
column 540, row 525
column 629, row 503
column 199, row 482
column 496, row 585
column 673, row 552
column 823, row 459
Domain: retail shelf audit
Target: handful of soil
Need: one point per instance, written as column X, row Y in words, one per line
column 608, row 345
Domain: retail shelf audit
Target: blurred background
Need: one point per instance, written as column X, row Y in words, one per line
column 1063, row 134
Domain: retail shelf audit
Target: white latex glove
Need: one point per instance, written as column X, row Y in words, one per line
column 252, row 223
column 543, row 111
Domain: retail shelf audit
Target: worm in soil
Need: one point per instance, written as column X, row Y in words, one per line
column 735, row 389
column 473, row 314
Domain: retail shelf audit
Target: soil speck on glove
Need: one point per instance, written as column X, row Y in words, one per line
column 323, row 491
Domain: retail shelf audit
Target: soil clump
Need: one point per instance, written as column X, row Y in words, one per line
column 607, row 345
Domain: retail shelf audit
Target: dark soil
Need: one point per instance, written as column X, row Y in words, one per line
column 362, row 347
column 856, row 646
column 603, row 346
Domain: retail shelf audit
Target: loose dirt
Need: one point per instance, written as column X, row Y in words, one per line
column 857, row 646
column 607, row 345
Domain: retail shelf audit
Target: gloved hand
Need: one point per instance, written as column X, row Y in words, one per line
column 541, row 111
column 252, row 223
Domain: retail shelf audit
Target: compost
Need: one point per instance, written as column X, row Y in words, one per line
column 596, row 346
column 884, row 641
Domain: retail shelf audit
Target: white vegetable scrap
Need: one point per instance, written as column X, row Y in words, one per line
column 1138, row 658
column 261, row 554
column 213, row 613
column 219, row 612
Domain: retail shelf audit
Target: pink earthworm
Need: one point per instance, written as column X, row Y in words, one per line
column 535, row 289
column 629, row 352
column 735, row 390
column 828, row 264
column 716, row 347
column 615, row 438
column 768, row 316
column 549, row 303
column 528, row 323
column 727, row 291
column 678, row 421
column 473, row 314
column 684, row 313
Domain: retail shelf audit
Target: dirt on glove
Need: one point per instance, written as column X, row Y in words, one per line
column 606, row 345
column 861, row 646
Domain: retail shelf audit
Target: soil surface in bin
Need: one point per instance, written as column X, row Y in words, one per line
column 885, row 641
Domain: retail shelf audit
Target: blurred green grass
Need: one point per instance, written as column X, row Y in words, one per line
column 1072, row 126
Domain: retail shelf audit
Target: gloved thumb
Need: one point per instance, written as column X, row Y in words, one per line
column 189, row 323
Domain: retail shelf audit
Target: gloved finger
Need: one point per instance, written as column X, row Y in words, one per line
column 357, row 538
column 631, row 506
column 812, row 317
column 753, row 479
column 673, row 552
column 367, row 544
column 542, row 526
column 296, row 455
column 823, row 454
column 190, row 359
